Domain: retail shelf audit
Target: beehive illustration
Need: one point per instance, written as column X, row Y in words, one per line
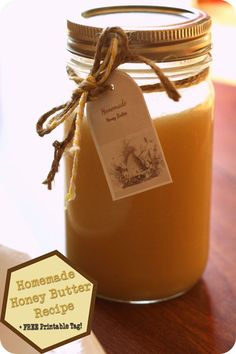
column 135, row 166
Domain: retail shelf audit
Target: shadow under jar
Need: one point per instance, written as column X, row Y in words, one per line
column 154, row 245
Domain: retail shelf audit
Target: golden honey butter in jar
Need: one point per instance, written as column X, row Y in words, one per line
column 143, row 243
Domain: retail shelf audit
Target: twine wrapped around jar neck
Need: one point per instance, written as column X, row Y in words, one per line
column 112, row 50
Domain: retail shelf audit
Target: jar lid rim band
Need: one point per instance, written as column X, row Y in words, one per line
column 182, row 33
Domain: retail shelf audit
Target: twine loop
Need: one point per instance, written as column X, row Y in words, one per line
column 88, row 84
column 112, row 50
column 105, row 39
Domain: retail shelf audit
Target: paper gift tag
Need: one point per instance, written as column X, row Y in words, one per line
column 126, row 139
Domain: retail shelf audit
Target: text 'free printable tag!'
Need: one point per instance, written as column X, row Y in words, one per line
column 126, row 139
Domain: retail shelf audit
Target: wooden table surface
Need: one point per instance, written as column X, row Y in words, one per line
column 204, row 320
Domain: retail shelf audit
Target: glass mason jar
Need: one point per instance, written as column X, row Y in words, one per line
column 150, row 246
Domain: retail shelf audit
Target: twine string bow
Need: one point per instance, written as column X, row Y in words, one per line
column 112, row 50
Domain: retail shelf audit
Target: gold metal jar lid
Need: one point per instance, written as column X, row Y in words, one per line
column 158, row 32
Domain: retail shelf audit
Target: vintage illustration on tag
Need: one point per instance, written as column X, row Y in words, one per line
column 136, row 162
